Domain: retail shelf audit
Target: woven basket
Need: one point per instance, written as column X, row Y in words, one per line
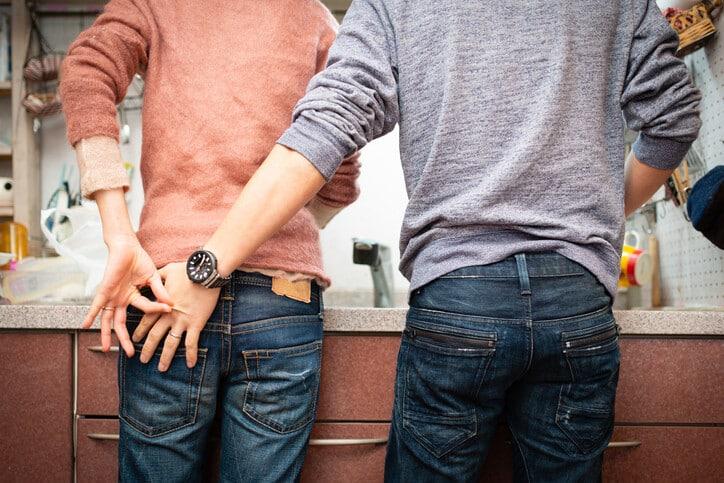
column 42, row 104
column 694, row 26
column 43, row 68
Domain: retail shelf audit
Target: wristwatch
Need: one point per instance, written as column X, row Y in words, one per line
column 201, row 268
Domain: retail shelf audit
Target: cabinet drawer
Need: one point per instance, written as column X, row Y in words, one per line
column 97, row 376
column 670, row 381
column 345, row 462
column 667, row 454
column 97, row 451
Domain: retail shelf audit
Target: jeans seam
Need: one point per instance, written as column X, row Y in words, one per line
column 522, row 455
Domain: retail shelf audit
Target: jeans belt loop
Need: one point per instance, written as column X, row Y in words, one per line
column 523, row 273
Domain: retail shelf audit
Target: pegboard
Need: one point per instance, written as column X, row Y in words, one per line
column 692, row 268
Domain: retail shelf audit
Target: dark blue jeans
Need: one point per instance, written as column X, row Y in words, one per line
column 259, row 363
column 531, row 340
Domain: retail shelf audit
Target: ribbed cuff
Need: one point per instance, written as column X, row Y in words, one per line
column 314, row 143
column 660, row 153
column 100, row 165
column 322, row 212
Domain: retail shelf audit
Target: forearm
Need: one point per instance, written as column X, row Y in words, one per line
column 641, row 182
column 282, row 185
column 114, row 216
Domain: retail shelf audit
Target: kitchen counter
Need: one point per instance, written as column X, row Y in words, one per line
column 357, row 319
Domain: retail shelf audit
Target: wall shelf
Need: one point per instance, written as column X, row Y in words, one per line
column 5, row 88
column 6, row 211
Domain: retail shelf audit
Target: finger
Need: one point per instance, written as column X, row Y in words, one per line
column 106, row 322
column 157, row 333
column 148, row 306
column 98, row 301
column 158, row 289
column 173, row 339
column 119, row 327
column 144, row 326
column 192, row 345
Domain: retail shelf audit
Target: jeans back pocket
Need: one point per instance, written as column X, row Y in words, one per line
column 586, row 405
column 157, row 403
column 283, row 386
column 442, row 371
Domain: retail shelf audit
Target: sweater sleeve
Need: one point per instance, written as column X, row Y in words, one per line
column 658, row 97
column 342, row 190
column 354, row 100
column 99, row 67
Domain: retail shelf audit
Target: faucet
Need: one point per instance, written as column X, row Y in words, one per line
column 377, row 256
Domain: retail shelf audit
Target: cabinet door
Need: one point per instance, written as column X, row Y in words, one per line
column 670, row 381
column 97, row 452
column 36, row 407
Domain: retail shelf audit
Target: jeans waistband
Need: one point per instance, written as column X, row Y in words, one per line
column 240, row 278
column 523, row 266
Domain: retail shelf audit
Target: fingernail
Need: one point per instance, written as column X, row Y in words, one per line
column 144, row 359
column 162, row 368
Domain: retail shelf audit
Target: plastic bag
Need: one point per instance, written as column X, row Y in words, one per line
column 85, row 243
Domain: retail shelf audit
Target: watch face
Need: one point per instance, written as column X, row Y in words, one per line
column 200, row 266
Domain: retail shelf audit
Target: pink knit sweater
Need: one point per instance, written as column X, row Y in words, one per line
column 221, row 79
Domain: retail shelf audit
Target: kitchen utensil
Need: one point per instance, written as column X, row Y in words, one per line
column 636, row 264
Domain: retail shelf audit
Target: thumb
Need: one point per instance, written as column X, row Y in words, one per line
column 158, row 289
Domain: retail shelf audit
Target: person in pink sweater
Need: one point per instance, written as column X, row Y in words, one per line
column 221, row 81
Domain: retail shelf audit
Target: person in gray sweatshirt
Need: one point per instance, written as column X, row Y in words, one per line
column 511, row 118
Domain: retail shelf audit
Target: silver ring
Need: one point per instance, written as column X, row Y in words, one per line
column 174, row 335
column 107, row 308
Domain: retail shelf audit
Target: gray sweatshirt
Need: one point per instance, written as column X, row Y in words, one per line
column 510, row 115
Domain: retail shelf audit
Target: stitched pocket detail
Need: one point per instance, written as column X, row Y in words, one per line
column 585, row 412
column 283, row 386
column 156, row 403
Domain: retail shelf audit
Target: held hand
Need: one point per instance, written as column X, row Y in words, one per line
column 128, row 268
column 193, row 305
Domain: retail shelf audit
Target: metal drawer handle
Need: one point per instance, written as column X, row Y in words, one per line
column 103, row 436
column 347, row 442
column 97, row 348
column 313, row 442
column 624, row 444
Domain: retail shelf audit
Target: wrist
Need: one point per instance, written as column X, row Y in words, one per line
column 222, row 259
column 119, row 239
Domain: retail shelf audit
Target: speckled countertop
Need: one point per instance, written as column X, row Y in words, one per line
column 357, row 319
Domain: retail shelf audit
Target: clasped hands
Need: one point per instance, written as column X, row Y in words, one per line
column 181, row 307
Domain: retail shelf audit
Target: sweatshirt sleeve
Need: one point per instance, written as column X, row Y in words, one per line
column 99, row 67
column 354, row 100
column 658, row 97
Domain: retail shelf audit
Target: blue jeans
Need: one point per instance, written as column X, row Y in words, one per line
column 259, row 363
column 531, row 340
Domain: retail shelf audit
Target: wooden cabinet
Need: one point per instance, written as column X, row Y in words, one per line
column 668, row 400
column 36, row 407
